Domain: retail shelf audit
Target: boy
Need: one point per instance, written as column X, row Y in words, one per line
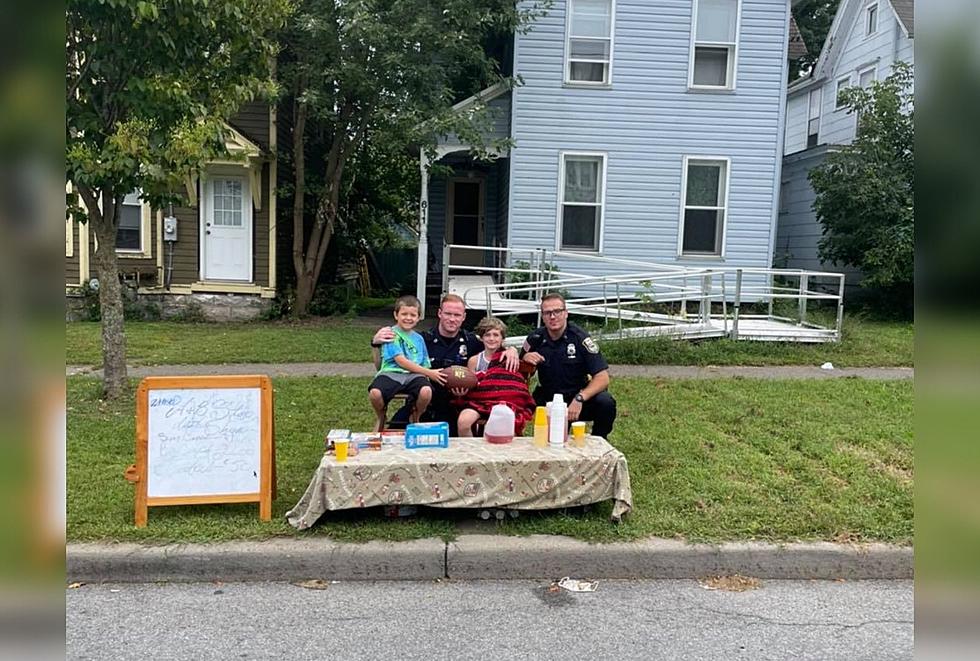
column 496, row 384
column 404, row 365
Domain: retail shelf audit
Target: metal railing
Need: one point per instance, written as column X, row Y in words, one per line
column 741, row 303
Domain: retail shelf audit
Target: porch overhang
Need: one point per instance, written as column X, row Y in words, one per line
column 242, row 152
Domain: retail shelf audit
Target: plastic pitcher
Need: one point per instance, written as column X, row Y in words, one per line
column 500, row 425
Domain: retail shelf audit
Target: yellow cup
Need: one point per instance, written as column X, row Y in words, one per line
column 340, row 450
column 578, row 434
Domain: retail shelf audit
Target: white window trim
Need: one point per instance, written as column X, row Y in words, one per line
column 248, row 208
column 724, row 223
column 863, row 70
column 867, row 13
column 733, row 62
column 69, row 236
column 819, row 117
column 837, row 90
column 600, row 231
column 145, row 251
column 568, row 82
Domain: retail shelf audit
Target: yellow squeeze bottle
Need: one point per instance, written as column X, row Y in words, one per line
column 540, row 427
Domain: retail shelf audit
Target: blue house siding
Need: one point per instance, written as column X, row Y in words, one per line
column 498, row 110
column 645, row 123
column 494, row 224
column 848, row 51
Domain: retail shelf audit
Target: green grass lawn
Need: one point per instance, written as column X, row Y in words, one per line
column 865, row 343
column 709, row 460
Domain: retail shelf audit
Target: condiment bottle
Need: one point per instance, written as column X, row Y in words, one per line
column 557, row 426
column 540, row 427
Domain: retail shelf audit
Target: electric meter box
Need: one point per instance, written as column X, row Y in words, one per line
column 169, row 228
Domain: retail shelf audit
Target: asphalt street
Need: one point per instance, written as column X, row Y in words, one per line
column 678, row 619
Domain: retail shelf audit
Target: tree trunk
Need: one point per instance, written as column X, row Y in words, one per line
column 110, row 299
column 305, row 287
column 316, row 251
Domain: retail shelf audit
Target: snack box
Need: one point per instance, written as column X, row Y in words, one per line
column 419, row 435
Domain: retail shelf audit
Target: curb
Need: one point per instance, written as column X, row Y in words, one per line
column 474, row 557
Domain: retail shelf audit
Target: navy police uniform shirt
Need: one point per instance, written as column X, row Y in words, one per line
column 569, row 361
column 446, row 352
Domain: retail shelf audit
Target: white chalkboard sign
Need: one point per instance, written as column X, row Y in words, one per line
column 204, row 440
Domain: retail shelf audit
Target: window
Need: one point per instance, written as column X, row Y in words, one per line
column 703, row 211
column 715, row 41
column 866, row 77
column 813, row 118
column 582, row 193
column 871, row 20
column 129, row 235
column 227, row 200
column 842, row 84
column 589, row 42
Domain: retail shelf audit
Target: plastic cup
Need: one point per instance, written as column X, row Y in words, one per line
column 340, row 450
column 578, row 434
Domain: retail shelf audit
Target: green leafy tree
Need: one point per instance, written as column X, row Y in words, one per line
column 813, row 18
column 864, row 191
column 148, row 86
column 359, row 72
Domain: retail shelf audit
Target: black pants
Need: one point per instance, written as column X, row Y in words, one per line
column 439, row 410
column 601, row 409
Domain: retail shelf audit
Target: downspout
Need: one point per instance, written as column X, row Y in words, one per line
column 422, row 265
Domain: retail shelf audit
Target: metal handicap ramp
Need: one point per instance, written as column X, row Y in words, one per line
column 639, row 299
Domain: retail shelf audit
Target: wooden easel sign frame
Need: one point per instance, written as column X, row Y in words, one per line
column 204, row 440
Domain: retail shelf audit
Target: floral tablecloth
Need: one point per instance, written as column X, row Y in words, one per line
column 470, row 473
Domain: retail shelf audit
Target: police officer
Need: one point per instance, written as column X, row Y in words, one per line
column 448, row 344
column 566, row 357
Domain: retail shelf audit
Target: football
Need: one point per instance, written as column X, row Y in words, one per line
column 458, row 376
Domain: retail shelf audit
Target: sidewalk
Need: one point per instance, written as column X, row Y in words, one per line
column 646, row 371
column 480, row 556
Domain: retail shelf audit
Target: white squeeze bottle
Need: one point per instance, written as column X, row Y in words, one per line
column 558, row 422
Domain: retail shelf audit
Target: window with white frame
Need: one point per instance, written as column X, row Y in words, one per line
column 704, row 207
column 129, row 229
column 866, row 77
column 69, row 237
column 714, row 44
column 588, row 47
column 871, row 19
column 813, row 118
column 583, row 181
column 842, row 84
column 228, row 201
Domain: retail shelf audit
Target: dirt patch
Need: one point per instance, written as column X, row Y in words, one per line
column 898, row 473
column 733, row 583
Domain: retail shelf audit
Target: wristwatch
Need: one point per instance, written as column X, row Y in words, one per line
column 579, row 398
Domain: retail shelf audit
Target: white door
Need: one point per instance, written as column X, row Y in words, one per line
column 227, row 226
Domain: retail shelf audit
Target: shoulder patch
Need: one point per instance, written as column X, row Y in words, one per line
column 590, row 345
column 527, row 345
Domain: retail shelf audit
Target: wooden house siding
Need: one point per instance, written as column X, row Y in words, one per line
column 73, row 261
column 252, row 121
column 645, row 123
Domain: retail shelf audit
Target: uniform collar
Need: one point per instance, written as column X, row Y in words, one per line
column 437, row 336
column 562, row 338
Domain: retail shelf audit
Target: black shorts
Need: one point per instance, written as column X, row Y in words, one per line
column 389, row 387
